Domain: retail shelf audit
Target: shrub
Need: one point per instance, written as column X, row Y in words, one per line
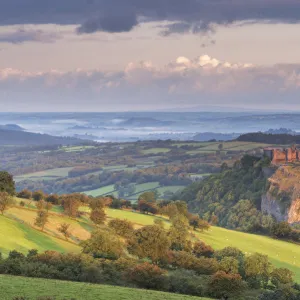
column 147, row 276
column 201, row 249
column 225, row 285
column 186, row 282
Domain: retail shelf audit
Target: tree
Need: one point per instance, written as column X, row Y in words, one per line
column 43, row 205
column 147, row 276
column 201, row 249
column 7, row 183
column 281, row 230
column 103, row 244
column 148, row 197
column 53, row 198
column 25, row 194
column 123, row 228
column 222, row 284
column 196, row 222
column 147, row 207
column 98, row 216
column 71, row 205
column 220, row 147
column 64, row 229
column 97, row 203
column 6, row 200
column 41, row 219
column 179, row 232
column 280, row 276
column 150, row 242
column 257, row 270
column 38, row 195
column 97, row 206
column 229, row 265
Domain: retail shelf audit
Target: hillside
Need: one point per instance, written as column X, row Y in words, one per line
column 18, row 137
column 268, row 138
column 28, row 287
column 19, row 236
column 282, row 200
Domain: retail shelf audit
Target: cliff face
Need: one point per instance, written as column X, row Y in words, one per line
column 282, row 200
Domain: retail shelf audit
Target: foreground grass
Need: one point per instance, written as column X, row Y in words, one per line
column 28, row 287
column 21, row 237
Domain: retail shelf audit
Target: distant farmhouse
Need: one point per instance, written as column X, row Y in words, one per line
column 282, row 155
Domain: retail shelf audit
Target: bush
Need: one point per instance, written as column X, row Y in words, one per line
column 225, row 285
column 201, row 249
column 186, row 282
column 147, row 276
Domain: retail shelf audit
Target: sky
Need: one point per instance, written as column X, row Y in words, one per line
column 117, row 55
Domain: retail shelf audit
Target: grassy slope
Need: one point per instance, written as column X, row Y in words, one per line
column 21, row 237
column 282, row 254
column 15, row 235
column 29, row 287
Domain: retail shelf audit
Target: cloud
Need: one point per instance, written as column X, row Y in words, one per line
column 119, row 15
column 193, row 81
column 20, row 36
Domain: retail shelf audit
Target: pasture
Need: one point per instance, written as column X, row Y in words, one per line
column 13, row 286
column 44, row 175
column 17, row 236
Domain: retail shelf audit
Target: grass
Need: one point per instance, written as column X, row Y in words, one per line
column 33, row 287
column 155, row 150
column 45, row 175
column 101, row 191
column 77, row 148
column 77, row 231
column 17, row 236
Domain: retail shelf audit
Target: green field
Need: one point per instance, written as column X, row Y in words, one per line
column 101, row 191
column 139, row 189
column 155, row 150
column 45, row 175
column 17, row 236
column 77, row 148
column 33, row 287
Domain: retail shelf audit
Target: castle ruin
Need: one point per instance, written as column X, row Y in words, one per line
column 282, row 155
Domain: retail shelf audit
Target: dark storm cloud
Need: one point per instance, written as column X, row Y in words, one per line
column 122, row 15
column 21, row 36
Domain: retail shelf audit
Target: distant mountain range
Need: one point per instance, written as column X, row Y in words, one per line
column 12, row 127
column 19, row 137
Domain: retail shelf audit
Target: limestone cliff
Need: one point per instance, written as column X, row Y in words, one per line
column 282, row 200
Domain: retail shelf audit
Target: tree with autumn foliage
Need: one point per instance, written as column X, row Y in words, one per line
column 6, row 201
column 71, row 205
column 150, row 242
column 41, row 219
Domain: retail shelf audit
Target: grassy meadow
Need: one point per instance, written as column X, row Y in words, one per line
column 18, row 232
column 31, row 288
column 17, row 236
column 45, row 175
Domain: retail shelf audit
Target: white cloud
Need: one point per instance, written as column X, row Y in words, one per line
column 194, row 80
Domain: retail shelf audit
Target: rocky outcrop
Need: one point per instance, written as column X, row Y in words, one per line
column 270, row 206
column 282, row 200
column 294, row 212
